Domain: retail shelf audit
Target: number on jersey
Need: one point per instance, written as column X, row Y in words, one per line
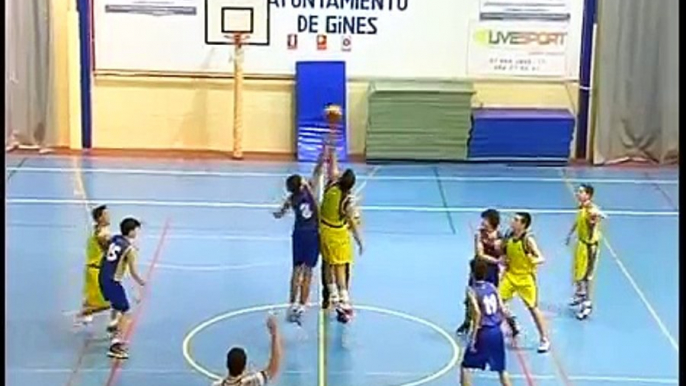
column 305, row 211
column 490, row 303
column 113, row 252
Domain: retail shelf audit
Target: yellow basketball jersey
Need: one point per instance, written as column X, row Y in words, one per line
column 330, row 213
column 585, row 231
column 94, row 251
column 518, row 261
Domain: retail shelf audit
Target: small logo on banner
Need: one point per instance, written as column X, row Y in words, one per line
column 292, row 41
column 321, row 42
column 346, row 44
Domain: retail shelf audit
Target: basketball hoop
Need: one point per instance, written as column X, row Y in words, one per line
column 238, row 39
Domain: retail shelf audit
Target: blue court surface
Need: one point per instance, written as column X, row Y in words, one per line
column 221, row 258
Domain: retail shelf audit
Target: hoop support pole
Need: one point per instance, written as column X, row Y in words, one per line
column 238, row 97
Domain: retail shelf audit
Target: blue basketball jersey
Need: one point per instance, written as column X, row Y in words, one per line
column 112, row 266
column 305, row 209
column 487, row 298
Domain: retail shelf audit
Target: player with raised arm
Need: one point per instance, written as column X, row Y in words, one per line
column 587, row 229
column 237, row 363
column 302, row 200
column 120, row 257
column 487, row 243
column 338, row 219
column 98, row 240
column 522, row 258
column 487, row 344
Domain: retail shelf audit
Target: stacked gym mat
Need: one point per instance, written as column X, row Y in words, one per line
column 418, row 120
column 316, row 85
column 521, row 135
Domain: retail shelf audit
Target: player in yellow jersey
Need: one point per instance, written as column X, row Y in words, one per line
column 522, row 258
column 93, row 300
column 338, row 218
column 587, row 229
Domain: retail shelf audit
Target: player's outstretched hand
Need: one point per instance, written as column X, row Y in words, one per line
column 272, row 324
column 137, row 295
column 568, row 240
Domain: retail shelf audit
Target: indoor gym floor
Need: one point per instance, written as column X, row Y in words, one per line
column 215, row 249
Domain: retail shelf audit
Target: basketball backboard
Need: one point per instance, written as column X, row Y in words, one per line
column 224, row 18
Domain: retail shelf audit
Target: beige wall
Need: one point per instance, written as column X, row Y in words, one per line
column 134, row 112
column 177, row 113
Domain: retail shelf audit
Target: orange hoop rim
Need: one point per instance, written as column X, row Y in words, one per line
column 238, row 38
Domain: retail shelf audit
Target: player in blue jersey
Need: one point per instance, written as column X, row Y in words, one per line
column 302, row 200
column 487, row 243
column 119, row 258
column 487, row 344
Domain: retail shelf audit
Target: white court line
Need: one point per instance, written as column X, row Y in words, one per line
column 205, row 173
column 198, row 236
column 661, row 325
column 371, row 208
column 215, row 268
column 589, row 378
column 368, row 177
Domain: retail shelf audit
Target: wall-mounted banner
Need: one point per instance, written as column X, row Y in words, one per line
column 525, row 10
column 153, row 7
column 505, row 49
column 405, row 39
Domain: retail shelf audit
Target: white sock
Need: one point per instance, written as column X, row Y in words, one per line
column 345, row 297
column 333, row 292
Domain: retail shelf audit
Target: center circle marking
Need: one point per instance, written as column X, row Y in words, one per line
column 454, row 359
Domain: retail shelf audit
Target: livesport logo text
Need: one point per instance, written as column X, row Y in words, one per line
column 520, row 38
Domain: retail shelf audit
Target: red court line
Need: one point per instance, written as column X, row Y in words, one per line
column 557, row 361
column 521, row 357
column 79, row 361
column 117, row 363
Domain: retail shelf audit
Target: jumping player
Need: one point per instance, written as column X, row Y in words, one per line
column 93, row 301
column 587, row 228
column 120, row 257
column 486, row 248
column 522, row 258
column 338, row 218
column 302, row 199
column 487, row 344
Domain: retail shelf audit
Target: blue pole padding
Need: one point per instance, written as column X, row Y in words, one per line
column 585, row 68
column 84, row 9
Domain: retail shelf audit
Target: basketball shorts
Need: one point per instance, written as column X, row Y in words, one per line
column 113, row 292
column 336, row 245
column 92, row 295
column 523, row 286
column 489, row 350
column 305, row 245
column 582, row 256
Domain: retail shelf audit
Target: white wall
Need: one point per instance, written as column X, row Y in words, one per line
column 428, row 39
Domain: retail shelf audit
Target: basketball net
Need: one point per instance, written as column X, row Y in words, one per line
column 238, row 41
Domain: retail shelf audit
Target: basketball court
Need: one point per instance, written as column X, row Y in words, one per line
column 219, row 262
